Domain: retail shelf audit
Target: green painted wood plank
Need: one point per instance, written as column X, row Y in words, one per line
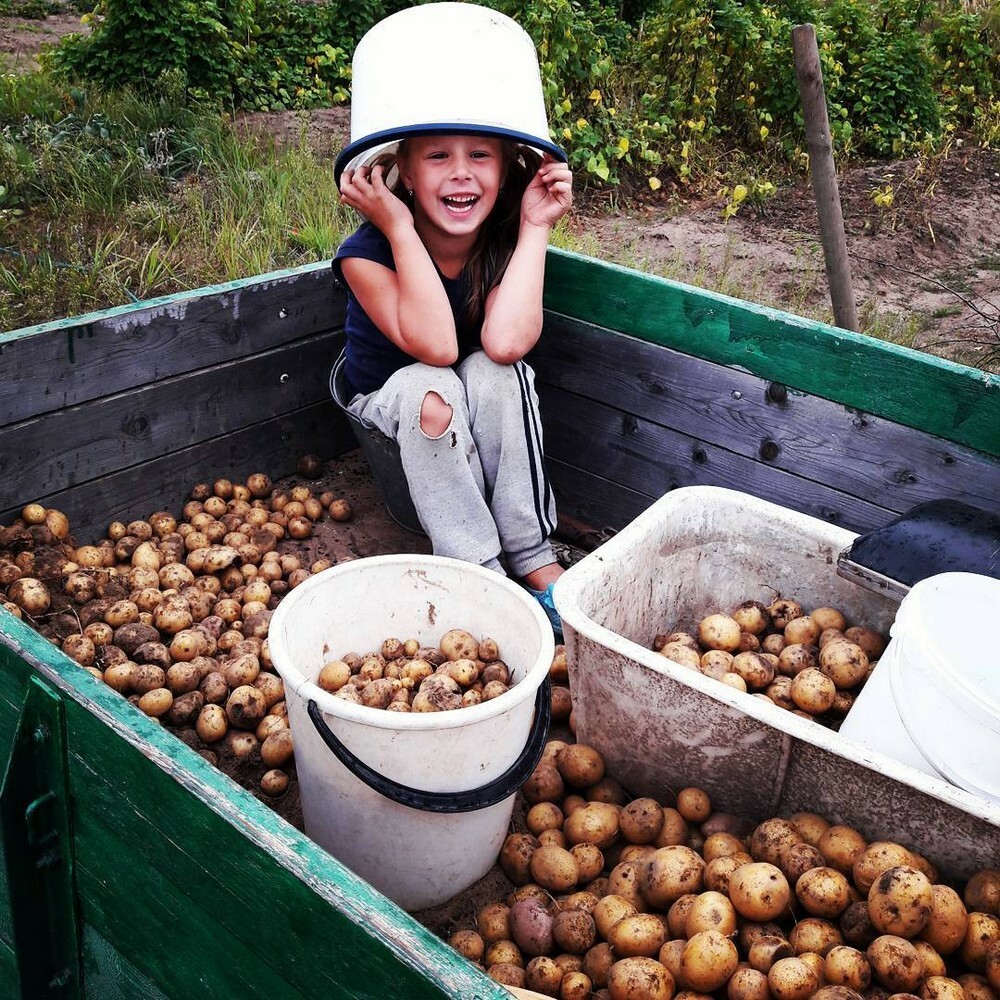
column 74, row 360
column 882, row 462
column 652, row 459
column 413, row 959
column 272, row 446
column 107, row 975
column 9, row 982
column 44, row 455
column 945, row 399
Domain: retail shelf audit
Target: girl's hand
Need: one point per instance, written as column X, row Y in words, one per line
column 549, row 195
column 365, row 189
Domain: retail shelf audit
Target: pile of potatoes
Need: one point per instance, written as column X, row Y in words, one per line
column 405, row 676
column 174, row 613
column 636, row 900
column 812, row 664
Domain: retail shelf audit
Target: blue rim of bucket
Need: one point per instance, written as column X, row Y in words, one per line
column 440, row 128
column 490, row 794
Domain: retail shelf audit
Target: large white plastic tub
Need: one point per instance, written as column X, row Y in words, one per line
column 662, row 726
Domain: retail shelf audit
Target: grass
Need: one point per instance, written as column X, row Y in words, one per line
column 106, row 200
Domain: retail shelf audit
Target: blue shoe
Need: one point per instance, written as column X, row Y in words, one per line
column 544, row 598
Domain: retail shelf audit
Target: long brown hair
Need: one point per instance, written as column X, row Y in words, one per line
column 497, row 238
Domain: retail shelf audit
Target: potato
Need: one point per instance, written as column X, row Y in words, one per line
column 783, row 610
column 211, row 725
column 581, row 766
column 841, row 846
column 707, row 961
column 982, row 933
column 878, row 857
column 531, row 927
column 543, row 816
column 670, row 873
column 458, row 644
column 575, row 985
column 752, row 616
column 639, row 934
column 813, row 691
column 899, row 902
column 553, row 868
column 759, row 891
column 771, row 838
column 766, row 949
column 845, row 663
column 30, row 595
column 574, row 931
column 606, row 790
column 674, row 830
column 791, row 979
column 895, row 963
column 641, row 821
column 800, row 858
column 589, row 861
column 719, row 632
column 814, row 934
column 468, row 944
column 823, row 892
column 873, row 643
column 982, row 892
column 597, row 964
column 277, row 749
column 694, row 804
column 639, row 979
column 493, row 922
column 544, row 784
column 845, row 966
column 274, row 782
column 747, row 984
column 245, row 707
column 941, row 988
column 543, row 975
column 595, row 823
column 856, row 926
column 710, row 911
column 805, row 630
column 682, row 654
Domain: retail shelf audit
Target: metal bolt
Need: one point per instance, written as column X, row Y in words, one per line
column 60, row 979
column 283, row 378
column 48, row 859
column 40, row 735
column 737, row 394
column 282, row 313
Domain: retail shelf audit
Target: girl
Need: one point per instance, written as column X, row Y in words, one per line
column 445, row 299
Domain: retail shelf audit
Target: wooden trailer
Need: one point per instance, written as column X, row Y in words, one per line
column 131, row 866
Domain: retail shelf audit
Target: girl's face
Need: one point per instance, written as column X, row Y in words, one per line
column 455, row 180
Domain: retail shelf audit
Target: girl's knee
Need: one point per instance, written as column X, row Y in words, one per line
column 435, row 415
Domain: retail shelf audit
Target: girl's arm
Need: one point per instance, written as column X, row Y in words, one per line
column 513, row 319
column 409, row 305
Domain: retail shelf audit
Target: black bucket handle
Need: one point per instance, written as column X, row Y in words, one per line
column 490, row 794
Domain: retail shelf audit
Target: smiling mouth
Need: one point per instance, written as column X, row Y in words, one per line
column 460, row 204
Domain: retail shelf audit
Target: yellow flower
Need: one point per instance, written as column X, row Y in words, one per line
column 566, row 106
column 612, row 112
column 567, row 133
column 623, row 144
column 654, row 183
column 739, row 193
column 764, row 131
column 595, row 96
column 581, row 123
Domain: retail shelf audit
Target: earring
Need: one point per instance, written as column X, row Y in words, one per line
column 409, row 192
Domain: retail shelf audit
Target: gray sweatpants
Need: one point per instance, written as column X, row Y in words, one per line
column 480, row 489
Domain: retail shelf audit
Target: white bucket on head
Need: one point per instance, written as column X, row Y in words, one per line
column 473, row 759
column 444, row 67
column 933, row 700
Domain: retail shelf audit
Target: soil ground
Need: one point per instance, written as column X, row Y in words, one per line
column 926, row 270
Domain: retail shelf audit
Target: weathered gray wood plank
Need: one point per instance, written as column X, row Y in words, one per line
column 71, row 361
column 884, row 463
column 48, row 454
column 592, row 500
column 651, row 459
column 272, row 446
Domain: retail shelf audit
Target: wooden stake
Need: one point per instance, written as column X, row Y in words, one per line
column 824, row 176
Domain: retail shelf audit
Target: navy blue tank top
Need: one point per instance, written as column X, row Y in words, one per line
column 371, row 357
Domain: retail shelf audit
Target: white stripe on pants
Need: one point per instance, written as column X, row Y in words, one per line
column 480, row 488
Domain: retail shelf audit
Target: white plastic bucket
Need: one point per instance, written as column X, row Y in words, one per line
column 933, row 700
column 417, row 804
column 444, row 67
